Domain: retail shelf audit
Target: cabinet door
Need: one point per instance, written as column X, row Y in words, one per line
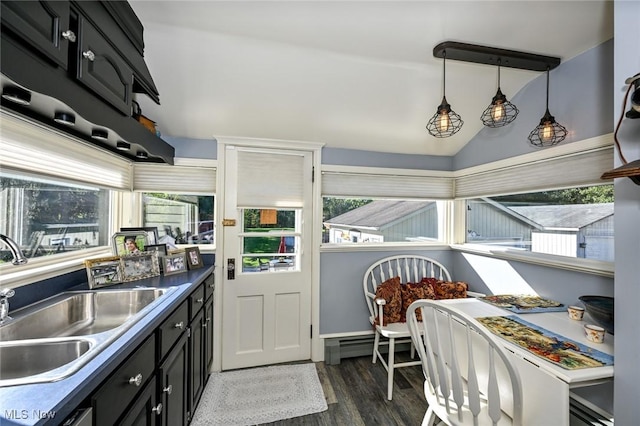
column 208, row 337
column 125, row 384
column 40, row 24
column 101, row 68
column 145, row 411
column 174, row 384
column 196, row 361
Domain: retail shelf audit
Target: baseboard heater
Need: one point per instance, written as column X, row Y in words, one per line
column 583, row 413
column 337, row 348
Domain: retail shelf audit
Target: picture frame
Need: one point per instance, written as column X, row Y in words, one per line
column 104, row 271
column 175, row 263
column 193, row 257
column 160, row 248
column 162, row 252
column 140, row 266
column 120, row 242
column 152, row 233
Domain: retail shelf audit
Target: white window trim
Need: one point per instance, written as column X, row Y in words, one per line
column 588, row 266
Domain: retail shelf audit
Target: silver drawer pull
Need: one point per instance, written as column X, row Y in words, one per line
column 89, row 55
column 168, row 389
column 201, row 300
column 137, row 380
column 179, row 325
column 157, row 409
column 204, row 325
column 69, row 36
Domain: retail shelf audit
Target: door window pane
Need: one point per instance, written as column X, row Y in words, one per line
column 270, row 240
column 575, row 222
column 181, row 219
column 46, row 217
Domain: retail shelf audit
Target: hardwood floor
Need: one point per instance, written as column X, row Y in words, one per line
column 356, row 393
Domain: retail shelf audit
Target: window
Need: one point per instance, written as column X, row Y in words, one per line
column 366, row 220
column 576, row 222
column 270, row 239
column 46, row 217
column 180, row 219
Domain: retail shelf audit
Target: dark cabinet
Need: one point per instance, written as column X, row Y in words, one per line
column 196, row 370
column 43, row 25
column 111, row 400
column 162, row 381
column 102, row 69
column 173, row 384
column 145, row 411
column 208, row 335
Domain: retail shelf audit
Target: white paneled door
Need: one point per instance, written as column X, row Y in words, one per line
column 267, row 213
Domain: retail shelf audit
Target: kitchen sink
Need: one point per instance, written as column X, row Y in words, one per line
column 29, row 358
column 78, row 313
column 52, row 339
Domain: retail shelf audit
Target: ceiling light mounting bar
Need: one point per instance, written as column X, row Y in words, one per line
column 495, row 56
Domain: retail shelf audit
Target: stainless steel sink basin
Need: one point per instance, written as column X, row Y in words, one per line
column 54, row 338
column 29, row 358
column 78, row 314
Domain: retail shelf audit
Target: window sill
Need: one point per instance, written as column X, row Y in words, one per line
column 351, row 247
column 42, row 268
column 587, row 266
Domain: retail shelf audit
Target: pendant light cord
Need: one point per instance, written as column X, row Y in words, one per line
column 547, row 89
column 498, row 73
column 444, row 73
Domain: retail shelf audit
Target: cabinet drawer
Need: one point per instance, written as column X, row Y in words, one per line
column 196, row 301
column 171, row 329
column 209, row 286
column 113, row 397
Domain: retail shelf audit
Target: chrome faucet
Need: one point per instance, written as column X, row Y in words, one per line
column 18, row 257
column 5, row 294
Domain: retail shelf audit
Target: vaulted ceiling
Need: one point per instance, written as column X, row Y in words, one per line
column 350, row 74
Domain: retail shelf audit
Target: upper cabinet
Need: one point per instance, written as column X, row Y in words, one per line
column 102, row 69
column 42, row 24
column 84, row 59
column 99, row 43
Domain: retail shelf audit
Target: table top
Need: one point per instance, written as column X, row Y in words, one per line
column 556, row 322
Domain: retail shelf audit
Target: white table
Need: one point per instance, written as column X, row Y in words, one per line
column 546, row 385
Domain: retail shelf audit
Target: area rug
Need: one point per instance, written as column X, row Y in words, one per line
column 260, row 395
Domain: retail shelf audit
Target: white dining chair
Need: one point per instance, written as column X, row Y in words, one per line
column 469, row 378
column 408, row 268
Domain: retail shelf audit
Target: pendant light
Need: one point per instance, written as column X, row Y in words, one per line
column 445, row 121
column 500, row 112
column 548, row 132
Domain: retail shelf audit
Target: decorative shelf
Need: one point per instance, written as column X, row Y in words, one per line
column 630, row 170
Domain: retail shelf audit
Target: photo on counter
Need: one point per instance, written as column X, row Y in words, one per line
column 151, row 233
column 174, row 263
column 194, row 260
column 124, row 243
column 140, row 265
column 104, row 271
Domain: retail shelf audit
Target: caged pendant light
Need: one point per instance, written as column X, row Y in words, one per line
column 445, row 122
column 548, row 132
column 500, row 112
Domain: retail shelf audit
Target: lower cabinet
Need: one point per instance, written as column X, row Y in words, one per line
column 145, row 411
column 196, row 367
column 162, row 381
column 172, row 378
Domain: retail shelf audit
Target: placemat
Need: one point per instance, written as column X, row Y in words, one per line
column 547, row 345
column 524, row 303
